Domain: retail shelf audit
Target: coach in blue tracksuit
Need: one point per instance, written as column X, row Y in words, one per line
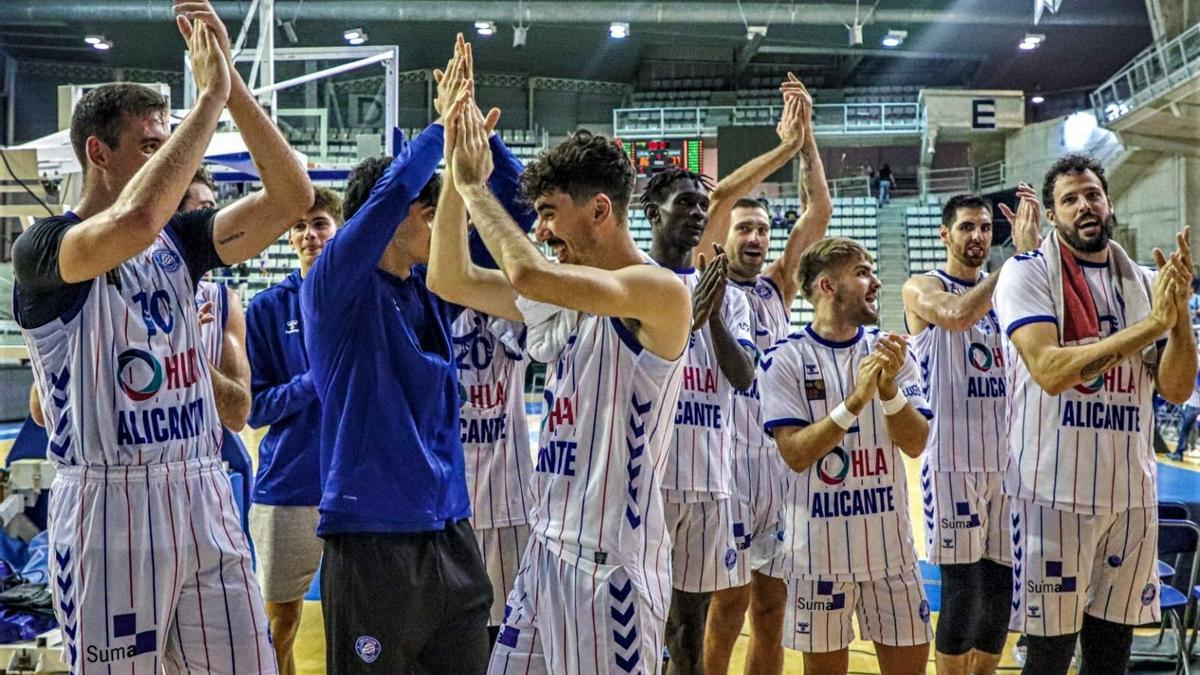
column 402, row 583
column 287, row 488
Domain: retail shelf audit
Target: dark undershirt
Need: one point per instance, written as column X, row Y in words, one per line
column 42, row 296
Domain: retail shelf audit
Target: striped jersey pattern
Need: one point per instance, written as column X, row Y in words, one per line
column 770, row 321
column 122, row 377
column 597, row 481
column 846, row 516
column 700, row 461
column 212, row 333
column 1087, row 450
column 963, row 375
column 489, row 352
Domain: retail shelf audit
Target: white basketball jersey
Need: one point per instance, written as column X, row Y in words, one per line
column 770, row 322
column 699, row 463
column 610, row 412
column 963, row 374
column 212, row 334
column 122, row 379
column 846, row 516
column 495, row 435
column 1089, row 449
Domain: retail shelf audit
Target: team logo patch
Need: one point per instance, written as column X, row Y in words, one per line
column 1091, row 387
column 803, row 627
column 979, row 356
column 166, row 259
column 368, row 648
column 1148, row 594
column 833, row 468
column 923, row 611
column 810, row 370
column 139, row 373
column 814, row 390
column 730, row 559
column 1034, row 612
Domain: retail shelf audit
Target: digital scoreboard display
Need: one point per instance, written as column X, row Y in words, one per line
column 649, row 157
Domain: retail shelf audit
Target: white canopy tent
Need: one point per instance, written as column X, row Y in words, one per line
column 56, row 158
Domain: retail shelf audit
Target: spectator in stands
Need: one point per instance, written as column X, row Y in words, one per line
column 1187, row 417
column 885, row 184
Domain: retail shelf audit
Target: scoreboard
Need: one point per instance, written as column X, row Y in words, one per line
column 649, row 157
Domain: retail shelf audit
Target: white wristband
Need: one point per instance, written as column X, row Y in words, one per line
column 842, row 417
column 895, row 404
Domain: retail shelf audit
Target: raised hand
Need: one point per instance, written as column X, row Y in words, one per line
column 892, row 350
column 1164, row 307
column 205, row 313
column 210, row 66
column 452, row 82
column 1027, row 221
column 710, row 292
column 471, row 164
column 201, row 11
column 866, row 383
column 795, row 125
column 1184, row 274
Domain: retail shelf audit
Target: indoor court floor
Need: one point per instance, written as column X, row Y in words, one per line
column 1175, row 478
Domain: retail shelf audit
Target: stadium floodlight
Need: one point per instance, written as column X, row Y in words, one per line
column 1037, row 99
column 894, row 38
column 93, row 39
column 753, row 31
column 355, row 36
column 618, row 30
column 485, row 28
column 520, row 36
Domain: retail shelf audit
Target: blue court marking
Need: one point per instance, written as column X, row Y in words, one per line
column 8, row 430
column 1177, row 484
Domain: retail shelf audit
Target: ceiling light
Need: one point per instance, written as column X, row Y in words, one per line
column 103, row 45
column 894, row 38
column 1032, row 41
column 618, row 30
column 355, row 36
column 1038, row 98
column 485, row 28
column 93, row 39
column 754, row 31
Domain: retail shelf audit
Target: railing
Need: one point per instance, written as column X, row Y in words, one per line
column 854, row 186
column 991, row 176
column 1155, row 71
column 951, row 181
column 840, row 118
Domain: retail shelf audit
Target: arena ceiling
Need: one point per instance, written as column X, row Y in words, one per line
column 950, row 42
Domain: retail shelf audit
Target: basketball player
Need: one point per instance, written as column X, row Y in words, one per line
column 201, row 193
column 1082, row 325
column 956, row 338
column 150, row 568
column 287, row 486
column 595, row 582
column 395, row 493
column 758, row 470
column 698, row 484
column 489, row 350
column 223, row 333
column 843, row 402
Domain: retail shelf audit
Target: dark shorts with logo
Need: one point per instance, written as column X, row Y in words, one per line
column 405, row 603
